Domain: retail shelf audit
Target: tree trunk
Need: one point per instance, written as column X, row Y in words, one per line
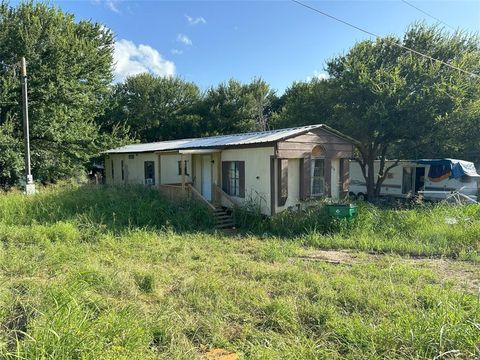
column 370, row 180
column 367, row 164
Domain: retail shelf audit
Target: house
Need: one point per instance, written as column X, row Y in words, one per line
column 274, row 169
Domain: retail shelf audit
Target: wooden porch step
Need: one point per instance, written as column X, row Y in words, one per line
column 223, row 220
column 226, row 226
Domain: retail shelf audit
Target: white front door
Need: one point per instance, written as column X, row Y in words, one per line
column 207, row 177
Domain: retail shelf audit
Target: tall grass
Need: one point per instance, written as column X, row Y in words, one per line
column 121, row 273
column 103, row 207
column 429, row 230
column 146, row 295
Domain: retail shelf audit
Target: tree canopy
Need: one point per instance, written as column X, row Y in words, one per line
column 69, row 72
column 395, row 103
column 154, row 108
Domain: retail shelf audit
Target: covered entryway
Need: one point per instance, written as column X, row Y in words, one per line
column 205, row 172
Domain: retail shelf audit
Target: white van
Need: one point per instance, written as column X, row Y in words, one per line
column 434, row 179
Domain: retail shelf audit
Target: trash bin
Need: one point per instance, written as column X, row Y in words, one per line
column 342, row 211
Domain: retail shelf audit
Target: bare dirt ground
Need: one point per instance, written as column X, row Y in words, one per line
column 220, row 354
column 463, row 275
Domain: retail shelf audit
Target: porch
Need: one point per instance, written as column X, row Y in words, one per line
column 199, row 172
column 223, row 215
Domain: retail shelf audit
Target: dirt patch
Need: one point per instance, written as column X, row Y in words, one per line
column 16, row 325
column 334, row 257
column 462, row 274
column 220, row 354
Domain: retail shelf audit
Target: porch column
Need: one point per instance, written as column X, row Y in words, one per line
column 159, row 170
column 182, row 171
column 217, row 177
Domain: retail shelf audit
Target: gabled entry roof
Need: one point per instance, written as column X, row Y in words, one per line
column 223, row 141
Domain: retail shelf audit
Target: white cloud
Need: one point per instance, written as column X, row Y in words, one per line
column 195, row 21
column 184, row 39
column 131, row 59
column 176, row 52
column 110, row 4
column 319, row 75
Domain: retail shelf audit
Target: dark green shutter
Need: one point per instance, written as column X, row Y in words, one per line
column 305, row 178
column 241, row 172
column 225, row 182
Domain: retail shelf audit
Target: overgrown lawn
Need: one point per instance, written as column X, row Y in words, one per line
column 82, row 279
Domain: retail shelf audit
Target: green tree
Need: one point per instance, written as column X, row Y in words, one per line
column 305, row 103
column 233, row 107
column 154, row 108
column 69, row 72
column 263, row 103
column 395, row 103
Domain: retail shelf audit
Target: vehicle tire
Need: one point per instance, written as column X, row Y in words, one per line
column 352, row 195
column 361, row 197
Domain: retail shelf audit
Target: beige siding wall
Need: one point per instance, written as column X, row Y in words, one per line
column 169, row 168
column 335, row 179
column 197, row 172
column 133, row 169
column 257, row 174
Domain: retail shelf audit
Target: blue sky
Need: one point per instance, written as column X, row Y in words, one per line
column 279, row 41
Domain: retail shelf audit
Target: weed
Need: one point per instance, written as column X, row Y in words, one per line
column 121, row 273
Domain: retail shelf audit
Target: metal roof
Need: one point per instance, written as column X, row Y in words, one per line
column 220, row 141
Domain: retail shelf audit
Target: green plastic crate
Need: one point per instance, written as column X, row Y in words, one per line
column 342, row 211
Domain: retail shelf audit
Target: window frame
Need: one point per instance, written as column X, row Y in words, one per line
column 233, row 178
column 145, row 172
column 185, row 167
column 314, row 177
column 234, row 181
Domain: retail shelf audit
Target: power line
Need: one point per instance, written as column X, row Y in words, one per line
column 426, row 13
column 390, row 41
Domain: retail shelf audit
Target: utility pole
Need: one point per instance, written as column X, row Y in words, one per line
column 29, row 185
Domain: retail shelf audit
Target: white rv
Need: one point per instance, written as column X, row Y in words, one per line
column 434, row 179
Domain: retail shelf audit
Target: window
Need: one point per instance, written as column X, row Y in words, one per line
column 318, row 177
column 149, row 167
column 123, row 171
column 233, row 178
column 113, row 170
column 185, row 168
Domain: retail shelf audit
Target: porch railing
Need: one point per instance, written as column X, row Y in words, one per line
column 196, row 194
column 178, row 192
column 173, row 191
column 222, row 195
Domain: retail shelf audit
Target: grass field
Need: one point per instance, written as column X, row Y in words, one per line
column 108, row 273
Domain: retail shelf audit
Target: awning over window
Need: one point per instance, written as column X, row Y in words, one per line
column 441, row 169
